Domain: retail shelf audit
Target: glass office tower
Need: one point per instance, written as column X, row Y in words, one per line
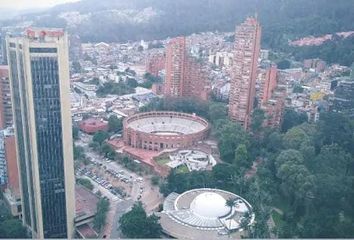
column 40, row 84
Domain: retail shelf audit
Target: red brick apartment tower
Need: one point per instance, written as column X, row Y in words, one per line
column 244, row 72
column 269, row 84
column 154, row 64
column 195, row 83
column 175, row 67
column 12, row 169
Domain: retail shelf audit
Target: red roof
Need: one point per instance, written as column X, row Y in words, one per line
column 93, row 125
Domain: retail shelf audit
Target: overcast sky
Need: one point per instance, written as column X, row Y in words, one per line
column 30, row 4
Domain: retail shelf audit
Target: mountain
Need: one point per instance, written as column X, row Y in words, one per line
column 122, row 20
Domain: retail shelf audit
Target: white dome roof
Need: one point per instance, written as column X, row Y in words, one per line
column 209, row 205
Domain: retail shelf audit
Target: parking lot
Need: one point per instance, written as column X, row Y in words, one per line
column 116, row 182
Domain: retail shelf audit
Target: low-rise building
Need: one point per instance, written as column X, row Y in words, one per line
column 93, row 125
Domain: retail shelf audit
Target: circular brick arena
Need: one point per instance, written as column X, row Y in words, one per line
column 161, row 130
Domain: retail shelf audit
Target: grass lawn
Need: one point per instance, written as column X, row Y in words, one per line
column 182, row 169
column 162, row 161
column 277, row 218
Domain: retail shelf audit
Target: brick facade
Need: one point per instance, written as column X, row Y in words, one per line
column 154, row 142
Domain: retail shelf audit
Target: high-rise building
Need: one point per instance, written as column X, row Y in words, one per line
column 3, row 165
column 184, row 75
column 343, row 99
column 8, row 157
column 175, row 67
column 3, row 55
column 5, row 98
column 267, row 82
column 244, row 71
column 40, row 86
column 155, row 64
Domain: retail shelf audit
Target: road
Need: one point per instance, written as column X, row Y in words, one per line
column 137, row 190
column 123, row 207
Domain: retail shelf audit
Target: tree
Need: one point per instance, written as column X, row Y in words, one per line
column 132, row 82
column 115, row 124
column 94, row 81
column 258, row 118
column 295, row 137
column 100, row 218
column 76, row 133
column 334, row 160
column 336, row 128
column 298, row 89
column 12, row 228
column 113, row 88
column 79, row 153
column 292, row 118
column 85, row 182
column 273, row 142
column 76, row 67
column 100, row 137
column 95, row 146
column 136, row 224
column 217, row 111
column 283, row 64
column 155, row 180
column 230, row 202
column 108, row 151
column 242, row 162
column 230, row 135
column 290, row 155
column 222, row 175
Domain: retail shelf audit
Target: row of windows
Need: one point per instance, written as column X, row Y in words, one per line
column 46, row 97
column 20, row 139
column 43, row 50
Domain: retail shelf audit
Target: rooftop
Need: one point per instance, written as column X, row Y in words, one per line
column 86, row 202
column 195, row 212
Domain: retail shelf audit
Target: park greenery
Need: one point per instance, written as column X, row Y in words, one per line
column 99, row 143
column 336, row 50
column 280, row 20
column 85, row 182
column 10, row 227
column 115, row 124
column 80, row 155
column 100, row 218
column 76, row 131
column 137, row 224
column 150, row 79
column 114, row 88
column 305, row 170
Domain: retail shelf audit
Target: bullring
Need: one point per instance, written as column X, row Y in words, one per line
column 161, row 130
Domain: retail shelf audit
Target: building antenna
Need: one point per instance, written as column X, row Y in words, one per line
column 256, row 10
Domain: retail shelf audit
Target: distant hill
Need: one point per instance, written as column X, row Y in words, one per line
column 123, row 20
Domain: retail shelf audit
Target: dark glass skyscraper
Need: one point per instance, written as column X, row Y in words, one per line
column 39, row 76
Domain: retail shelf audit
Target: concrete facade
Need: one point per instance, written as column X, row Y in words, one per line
column 5, row 98
column 40, row 87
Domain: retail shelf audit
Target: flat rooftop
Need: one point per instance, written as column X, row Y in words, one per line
column 86, row 202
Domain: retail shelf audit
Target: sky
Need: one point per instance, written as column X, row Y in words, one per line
column 30, row 4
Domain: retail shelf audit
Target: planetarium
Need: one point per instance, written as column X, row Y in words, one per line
column 205, row 213
column 161, row 130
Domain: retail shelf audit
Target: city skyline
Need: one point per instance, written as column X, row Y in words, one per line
column 186, row 119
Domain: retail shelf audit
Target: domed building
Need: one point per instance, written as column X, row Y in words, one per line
column 205, row 213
